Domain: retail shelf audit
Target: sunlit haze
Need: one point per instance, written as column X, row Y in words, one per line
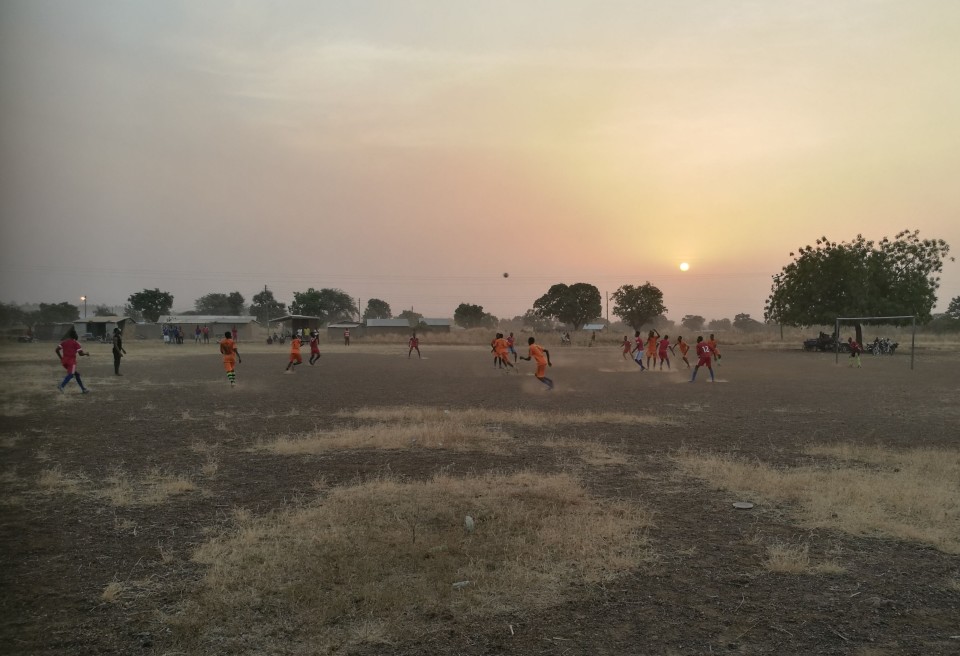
column 416, row 151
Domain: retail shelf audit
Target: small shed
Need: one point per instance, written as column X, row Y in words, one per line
column 335, row 330
column 436, row 325
column 386, row 327
column 594, row 327
column 242, row 326
column 291, row 323
column 100, row 327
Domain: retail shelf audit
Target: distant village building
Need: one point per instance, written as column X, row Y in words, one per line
column 436, row 325
column 594, row 327
column 100, row 327
column 244, row 327
column 289, row 324
column 335, row 330
column 387, row 327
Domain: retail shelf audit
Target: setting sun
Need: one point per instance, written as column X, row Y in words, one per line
column 684, row 266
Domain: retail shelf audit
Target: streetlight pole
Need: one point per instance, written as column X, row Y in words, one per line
column 84, row 299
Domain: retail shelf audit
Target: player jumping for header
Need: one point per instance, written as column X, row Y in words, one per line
column 542, row 357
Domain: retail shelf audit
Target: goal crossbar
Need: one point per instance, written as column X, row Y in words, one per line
column 913, row 335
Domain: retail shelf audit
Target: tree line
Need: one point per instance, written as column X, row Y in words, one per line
column 859, row 278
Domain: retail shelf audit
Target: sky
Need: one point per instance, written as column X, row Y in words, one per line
column 416, row 151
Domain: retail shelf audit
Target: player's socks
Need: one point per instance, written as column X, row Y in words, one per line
column 80, row 383
column 65, row 381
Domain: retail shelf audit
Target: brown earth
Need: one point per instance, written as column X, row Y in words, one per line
column 706, row 593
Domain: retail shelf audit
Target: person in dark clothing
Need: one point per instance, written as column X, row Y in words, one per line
column 118, row 351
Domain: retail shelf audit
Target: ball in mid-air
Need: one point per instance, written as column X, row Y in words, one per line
column 506, row 275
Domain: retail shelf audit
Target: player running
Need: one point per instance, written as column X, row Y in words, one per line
column 684, row 347
column 295, row 357
column 510, row 348
column 855, row 351
column 651, row 350
column 714, row 349
column 67, row 352
column 662, row 347
column 414, row 344
column 705, row 354
column 638, row 350
column 500, row 350
column 542, row 357
column 314, row 346
column 626, row 347
column 231, row 356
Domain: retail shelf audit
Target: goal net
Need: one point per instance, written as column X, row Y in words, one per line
column 873, row 320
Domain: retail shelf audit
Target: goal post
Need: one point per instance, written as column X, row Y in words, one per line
column 913, row 332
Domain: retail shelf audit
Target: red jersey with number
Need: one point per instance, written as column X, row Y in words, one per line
column 69, row 349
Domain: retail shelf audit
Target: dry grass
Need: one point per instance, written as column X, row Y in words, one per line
column 953, row 583
column 487, row 416
column 592, row 453
column 55, row 481
column 111, row 594
column 374, row 561
column 795, row 559
column 119, row 489
column 436, row 434
column 908, row 495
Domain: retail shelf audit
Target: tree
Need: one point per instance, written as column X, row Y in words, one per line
column 328, row 304
column 953, row 310
column 719, row 324
column 231, row 304
column 151, row 303
column 575, row 304
column 533, row 320
column 377, row 309
column 102, row 311
column 11, row 314
column 693, row 322
column 858, row 278
column 745, row 323
column 57, row 313
column 264, row 306
column 636, row 306
column 473, row 316
column 413, row 318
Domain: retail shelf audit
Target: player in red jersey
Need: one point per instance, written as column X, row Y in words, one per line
column 67, row 351
column 542, row 357
column 705, row 355
column 414, row 344
column 314, row 346
column 662, row 347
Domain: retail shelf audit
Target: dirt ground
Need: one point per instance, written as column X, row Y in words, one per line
column 705, row 593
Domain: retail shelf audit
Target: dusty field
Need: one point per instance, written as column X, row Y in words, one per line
column 126, row 513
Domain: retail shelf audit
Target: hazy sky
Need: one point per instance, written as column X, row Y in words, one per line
column 415, row 151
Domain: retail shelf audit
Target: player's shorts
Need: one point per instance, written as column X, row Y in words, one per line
column 296, row 357
column 705, row 361
column 315, row 351
column 70, row 366
column 662, row 355
column 228, row 363
column 541, row 370
column 638, row 356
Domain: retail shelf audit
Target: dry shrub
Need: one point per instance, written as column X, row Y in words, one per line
column 953, row 584
column 152, row 489
column 111, row 594
column 912, row 495
column 489, row 416
column 374, row 561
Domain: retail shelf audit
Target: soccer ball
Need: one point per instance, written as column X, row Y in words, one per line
column 506, row 275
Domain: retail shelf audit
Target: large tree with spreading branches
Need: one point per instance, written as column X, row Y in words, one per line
column 859, row 278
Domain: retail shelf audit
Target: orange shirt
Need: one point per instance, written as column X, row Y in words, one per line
column 712, row 343
column 228, row 348
column 500, row 346
column 683, row 347
column 651, row 344
column 295, row 345
column 536, row 352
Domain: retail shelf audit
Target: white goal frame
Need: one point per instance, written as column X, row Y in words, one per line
column 913, row 336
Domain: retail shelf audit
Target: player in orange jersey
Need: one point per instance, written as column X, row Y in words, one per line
column 501, row 350
column 705, row 354
column 542, row 357
column 295, row 357
column 231, row 356
column 626, row 348
column 682, row 345
column 651, row 350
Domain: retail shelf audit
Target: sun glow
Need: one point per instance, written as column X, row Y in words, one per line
column 684, row 266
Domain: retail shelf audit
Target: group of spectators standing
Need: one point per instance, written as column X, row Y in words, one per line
column 174, row 334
